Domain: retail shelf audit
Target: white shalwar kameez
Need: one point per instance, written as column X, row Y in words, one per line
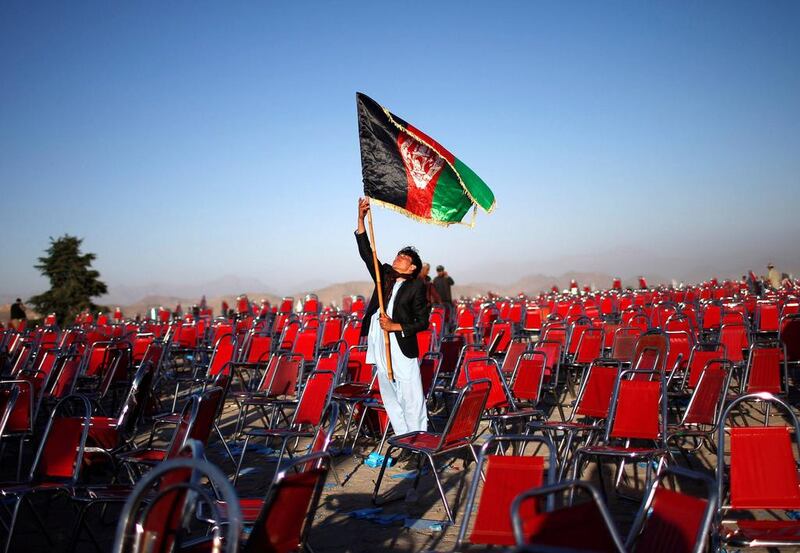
column 403, row 399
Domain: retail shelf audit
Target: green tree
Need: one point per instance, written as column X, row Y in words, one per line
column 73, row 282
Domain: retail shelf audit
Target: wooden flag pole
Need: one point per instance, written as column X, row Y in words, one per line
column 379, row 286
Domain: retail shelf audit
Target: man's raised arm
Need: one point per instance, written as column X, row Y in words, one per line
column 364, row 248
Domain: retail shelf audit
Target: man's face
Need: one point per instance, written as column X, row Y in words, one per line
column 425, row 270
column 402, row 264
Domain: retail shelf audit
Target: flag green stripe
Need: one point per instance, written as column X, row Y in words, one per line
column 450, row 204
column 478, row 189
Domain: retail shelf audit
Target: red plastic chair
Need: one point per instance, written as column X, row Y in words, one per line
column 699, row 357
column 149, row 456
column 589, row 415
column 505, row 470
column 623, row 345
column 426, row 342
column 501, row 409
column 158, row 515
column 670, row 521
column 515, row 349
column 459, row 433
column 760, row 475
column 527, row 379
column 766, row 370
column 736, row 340
column 767, row 317
column 637, row 424
column 288, row 512
column 497, row 328
column 306, row 419
column 56, row 466
column 543, row 525
column 699, row 421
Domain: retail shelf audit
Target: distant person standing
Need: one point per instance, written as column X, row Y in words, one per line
column 442, row 284
column 773, row 276
column 18, row 315
column 430, row 292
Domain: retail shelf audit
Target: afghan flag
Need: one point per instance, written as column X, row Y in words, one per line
column 408, row 171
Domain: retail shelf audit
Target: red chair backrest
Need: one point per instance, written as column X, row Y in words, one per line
column 553, row 352
column 140, row 344
column 533, row 319
column 515, row 349
column 699, row 357
column 465, row 317
column 590, row 345
column 425, row 342
column 16, row 404
column 314, row 399
column 734, row 337
column 186, row 335
column 673, row 523
column 529, row 376
column 224, row 350
column 279, row 528
column 451, row 347
column 305, row 344
column 331, row 331
column 763, row 469
column 595, row 398
column 704, row 407
column 352, row 333
column 764, row 370
column 557, row 529
column 505, row 339
column 712, row 316
column 480, row 369
column 680, row 344
column 358, row 370
column 638, row 410
column 506, row 477
column 259, row 348
column 65, row 377
column 467, row 354
column 624, row 343
column 287, row 372
column 467, row 413
column 289, row 334
column 428, row 370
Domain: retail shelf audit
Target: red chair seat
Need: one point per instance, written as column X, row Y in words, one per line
column 350, row 390
column 787, row 531
column 567, row 425
column 557, row 529
column 620, row 450
column 250, row 507
column 145, row 456
column 103, row 432
column 424, row 441
column 278, row 433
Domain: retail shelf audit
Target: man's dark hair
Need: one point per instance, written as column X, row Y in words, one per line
column 411, row 252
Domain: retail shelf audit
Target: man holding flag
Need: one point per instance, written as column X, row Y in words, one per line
column 406, row 313
column 407, row 171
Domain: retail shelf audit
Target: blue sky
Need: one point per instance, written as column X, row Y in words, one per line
column 185, row 141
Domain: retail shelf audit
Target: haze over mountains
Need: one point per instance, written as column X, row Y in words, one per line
column 170, row 295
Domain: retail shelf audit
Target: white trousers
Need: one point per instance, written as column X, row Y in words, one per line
column 404, row 401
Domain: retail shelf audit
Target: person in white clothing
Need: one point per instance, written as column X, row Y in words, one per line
column 407, row 313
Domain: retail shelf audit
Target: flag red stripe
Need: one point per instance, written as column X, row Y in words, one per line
column 441, row 150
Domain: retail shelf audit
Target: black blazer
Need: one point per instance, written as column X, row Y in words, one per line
column 411, row 308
